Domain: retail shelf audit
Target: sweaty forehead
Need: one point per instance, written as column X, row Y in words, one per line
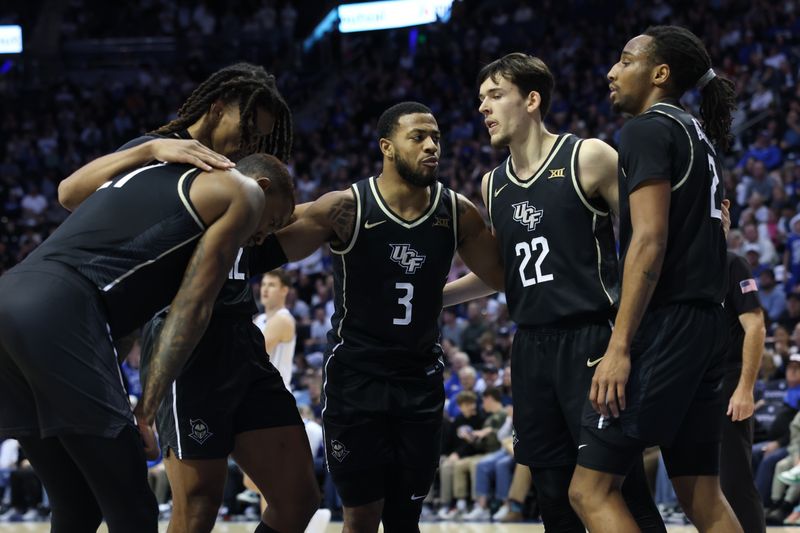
column 417, row 121
column 638, row 46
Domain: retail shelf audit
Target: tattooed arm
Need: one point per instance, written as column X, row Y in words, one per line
column 331, row 218
column 231, row 208
column 649, row 207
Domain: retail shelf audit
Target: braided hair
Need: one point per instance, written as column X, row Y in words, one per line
column 688, row 61
column 252, row 87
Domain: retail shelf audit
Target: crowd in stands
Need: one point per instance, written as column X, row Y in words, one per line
column 51, row 126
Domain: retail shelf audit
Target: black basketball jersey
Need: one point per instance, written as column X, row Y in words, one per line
column 388, row 283
column 667, row 143
column 236, row 294
column 560, row 257
column 132, row 239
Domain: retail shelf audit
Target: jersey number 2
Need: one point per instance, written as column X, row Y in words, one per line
column 406, row 302
column 523, row 248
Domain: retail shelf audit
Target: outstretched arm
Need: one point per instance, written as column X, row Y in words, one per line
column 77, row 187
column 331, row 218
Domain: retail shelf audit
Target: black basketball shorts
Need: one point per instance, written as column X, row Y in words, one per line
column 227, row 387
column 59, row 372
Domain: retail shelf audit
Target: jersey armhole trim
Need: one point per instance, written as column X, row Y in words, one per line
column 576, row 183
column 691, row 147
column 454, row 202
column 354, row 237
column 183, row 192
column 489, row 201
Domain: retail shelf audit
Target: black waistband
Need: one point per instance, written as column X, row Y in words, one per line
column 573, row 322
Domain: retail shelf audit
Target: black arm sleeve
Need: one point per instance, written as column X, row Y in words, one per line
column 267, row 256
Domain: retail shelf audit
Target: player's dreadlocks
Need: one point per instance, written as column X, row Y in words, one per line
column 690, row 65
column 253, row 87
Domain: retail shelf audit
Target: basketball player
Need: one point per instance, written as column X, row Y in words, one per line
column 658, row 381
column 549, row 204
column 217, row 405
column 277, row 323
column 147, row 236
column 393, row 238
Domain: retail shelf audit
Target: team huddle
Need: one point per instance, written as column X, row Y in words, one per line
column 614, row 352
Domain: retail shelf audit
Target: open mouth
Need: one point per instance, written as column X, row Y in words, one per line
column 491, row 125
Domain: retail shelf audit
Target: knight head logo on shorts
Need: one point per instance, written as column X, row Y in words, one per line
column 339, row 451
column 200, row 431
column 405, row 256
column 527, row 215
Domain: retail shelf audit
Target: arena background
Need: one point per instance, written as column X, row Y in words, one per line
column 93, row 74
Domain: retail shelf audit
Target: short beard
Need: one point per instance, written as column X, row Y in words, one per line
column 417, row 179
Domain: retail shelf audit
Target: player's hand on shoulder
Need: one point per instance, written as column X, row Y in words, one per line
column 188, row 151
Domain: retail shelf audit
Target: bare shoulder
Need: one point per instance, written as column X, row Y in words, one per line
column 212, row 193
column 596, row 152
column 597, row 162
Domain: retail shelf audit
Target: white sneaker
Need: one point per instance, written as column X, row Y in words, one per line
column 478, row 514
column 319, row 522
column 31, row 515
column 501, row 513
column 791, row 476
column 445, row 513
column 249, row 496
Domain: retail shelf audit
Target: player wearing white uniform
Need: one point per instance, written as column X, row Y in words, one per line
column 277, row 323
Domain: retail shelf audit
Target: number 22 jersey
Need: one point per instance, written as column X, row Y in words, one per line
column 558, row 245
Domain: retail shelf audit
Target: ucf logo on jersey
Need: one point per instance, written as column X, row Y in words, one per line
column 527, row 215
column 405, row 256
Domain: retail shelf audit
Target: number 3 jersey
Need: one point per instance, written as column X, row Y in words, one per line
column 388, row 283
column 558, row 245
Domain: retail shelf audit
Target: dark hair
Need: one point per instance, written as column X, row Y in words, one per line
column 528, row 73
column 252, row 87
column 494, row 392
column 688, row 61
column 282, row 275
column 466, row 396
column 268, row 165
column 388, row 120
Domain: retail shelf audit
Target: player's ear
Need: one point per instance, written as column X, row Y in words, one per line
column 533, row 101
column 264, row 182
column 387, row 148
column 660, row 74
column 216, row 111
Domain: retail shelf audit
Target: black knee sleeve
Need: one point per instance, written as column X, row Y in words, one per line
column 552, row 494
column 636, row 493
column 405, row 491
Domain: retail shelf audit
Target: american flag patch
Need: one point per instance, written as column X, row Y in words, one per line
column 748, row 285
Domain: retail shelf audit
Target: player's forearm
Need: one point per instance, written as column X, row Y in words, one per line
column 79, row 185
column 182, row 330
column 464, row 289
column 752, row 352
column 643, row 264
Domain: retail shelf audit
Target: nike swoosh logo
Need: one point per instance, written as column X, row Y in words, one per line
column 369, row 225
column 415, row 497
column 497, row 191
column 591, row 363
column 582, row 446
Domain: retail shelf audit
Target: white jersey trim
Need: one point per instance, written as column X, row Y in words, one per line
column 357, row 227
column 434, row 204
column 186, row 203
column 525, row 184
column 578, row 191
column 600, row 259
column 691, row 143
